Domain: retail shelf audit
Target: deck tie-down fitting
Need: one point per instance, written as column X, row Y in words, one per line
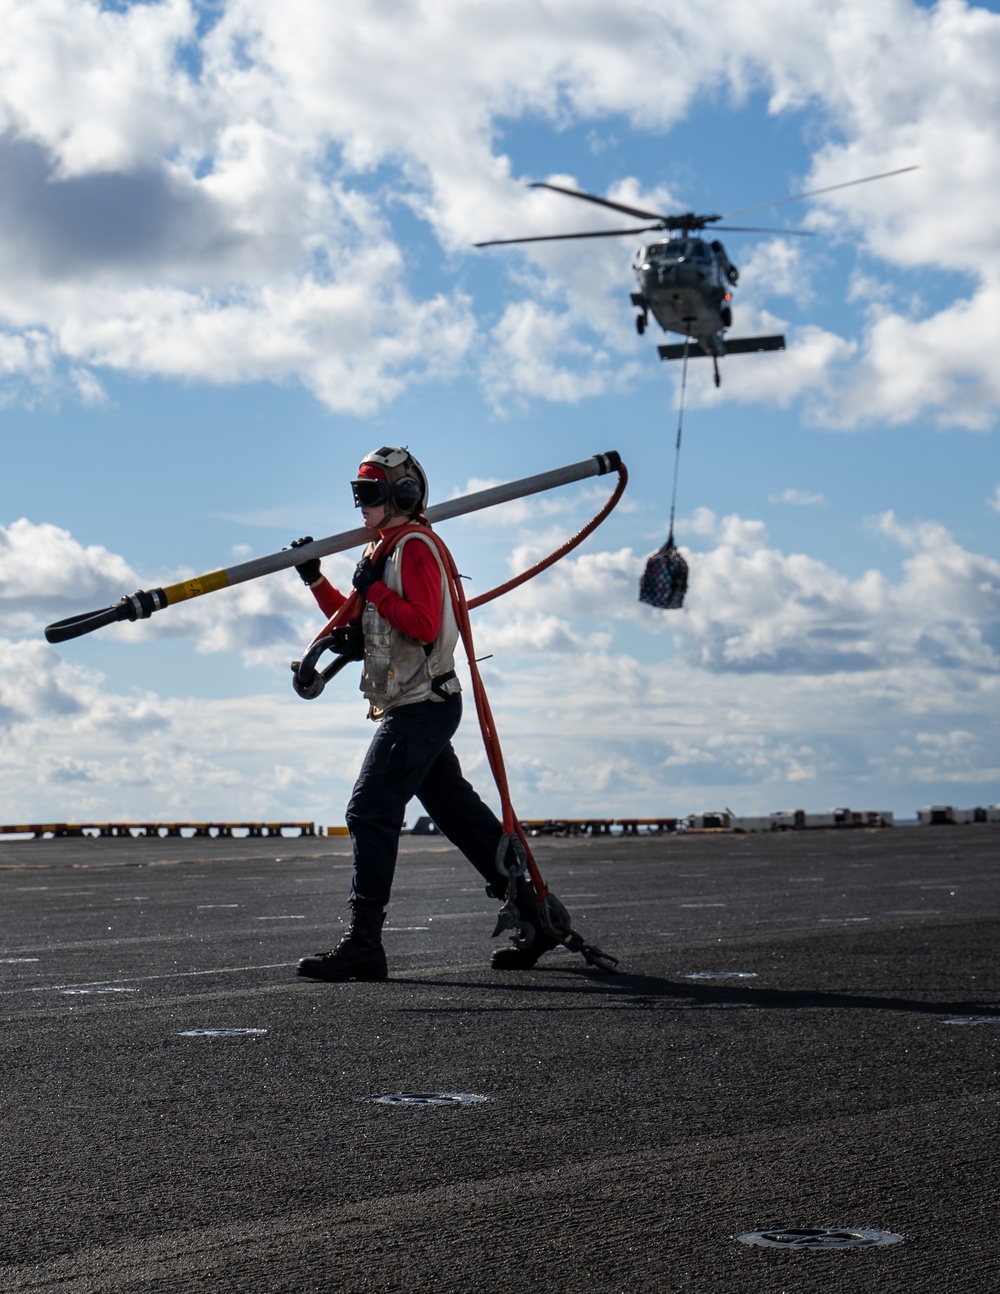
column 512, row 862
column 556, row 920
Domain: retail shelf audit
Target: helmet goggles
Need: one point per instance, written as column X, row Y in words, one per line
column 369, row 492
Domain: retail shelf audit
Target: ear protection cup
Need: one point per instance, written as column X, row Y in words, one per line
column 407, row 494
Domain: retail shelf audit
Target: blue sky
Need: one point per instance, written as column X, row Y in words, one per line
column 236, row 255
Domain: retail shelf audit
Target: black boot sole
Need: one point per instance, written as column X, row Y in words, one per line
column 515, row 959
column 325, row 969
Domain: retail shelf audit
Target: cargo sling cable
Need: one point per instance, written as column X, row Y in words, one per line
column 665, row 579
column 514, row 856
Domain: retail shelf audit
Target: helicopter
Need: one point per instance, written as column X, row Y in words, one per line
column 686, row 281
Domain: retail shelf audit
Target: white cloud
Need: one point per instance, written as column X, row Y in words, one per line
column 46, row 576
column 72, row 749
column 203, row 205
column 752, row 607
column 220, row 207
column 798, row 498
column 119, row 253
column 940, row 365
column 731, row 531
column 538, row 353
column 516, row 634
column 101, row 88
column 45, row 571
column 810, row 368
column 776, row 266
column 954, row 755
column 532, row 509
column 597, row 587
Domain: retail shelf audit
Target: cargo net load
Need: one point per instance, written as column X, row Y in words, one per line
column 665, row 579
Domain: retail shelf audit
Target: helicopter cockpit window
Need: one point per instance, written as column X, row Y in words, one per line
column 676, row 249
column 682, row 249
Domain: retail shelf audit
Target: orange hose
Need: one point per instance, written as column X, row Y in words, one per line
column 567, row 547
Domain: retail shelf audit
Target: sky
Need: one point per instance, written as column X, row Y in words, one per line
column 236, row 255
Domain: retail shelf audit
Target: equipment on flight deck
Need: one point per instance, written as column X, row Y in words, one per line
column 686, row 282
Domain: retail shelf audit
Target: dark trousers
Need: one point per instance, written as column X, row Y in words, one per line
column 411, row 755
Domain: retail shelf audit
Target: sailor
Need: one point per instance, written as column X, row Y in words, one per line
column 409, row 636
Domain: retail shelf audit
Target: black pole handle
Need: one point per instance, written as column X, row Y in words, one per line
column 309, row 681
column 77, row 626
column 135, row 606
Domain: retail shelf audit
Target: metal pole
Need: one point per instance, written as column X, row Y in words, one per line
column 141, row 605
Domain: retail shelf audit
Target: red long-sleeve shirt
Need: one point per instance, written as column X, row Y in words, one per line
column 417, row 612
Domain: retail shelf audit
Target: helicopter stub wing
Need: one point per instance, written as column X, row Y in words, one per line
column 748, row 345
column 733, row 346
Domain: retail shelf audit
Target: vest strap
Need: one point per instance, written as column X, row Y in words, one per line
column 437, row 684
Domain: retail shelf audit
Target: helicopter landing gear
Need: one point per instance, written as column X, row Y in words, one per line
column 715, row 365
column 640, row 323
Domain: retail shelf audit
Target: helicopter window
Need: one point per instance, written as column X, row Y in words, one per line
column 677, row 249
column 684, row 249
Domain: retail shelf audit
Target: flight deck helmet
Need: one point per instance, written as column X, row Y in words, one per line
column 392, row 476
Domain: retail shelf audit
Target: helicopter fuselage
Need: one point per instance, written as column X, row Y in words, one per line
column 685, row 284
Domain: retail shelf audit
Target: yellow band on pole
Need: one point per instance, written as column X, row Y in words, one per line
column 194, row 588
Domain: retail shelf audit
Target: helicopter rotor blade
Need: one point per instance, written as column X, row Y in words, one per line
column 761, row 229
column 555, row 238
column 601, row 202
column 814, row 193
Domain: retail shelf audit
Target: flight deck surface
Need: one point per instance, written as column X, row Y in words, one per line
column 804, row 1035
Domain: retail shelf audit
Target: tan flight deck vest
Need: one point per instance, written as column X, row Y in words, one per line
column 399, row 670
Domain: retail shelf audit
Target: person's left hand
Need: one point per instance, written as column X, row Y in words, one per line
column 366, row 574
column 310, row 571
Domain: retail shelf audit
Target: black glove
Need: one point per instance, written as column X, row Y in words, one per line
column 310, row 570
column 348, row 640
column 366, row 574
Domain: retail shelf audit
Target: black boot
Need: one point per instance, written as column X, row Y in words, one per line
column 522, row 957
column 359, row 955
